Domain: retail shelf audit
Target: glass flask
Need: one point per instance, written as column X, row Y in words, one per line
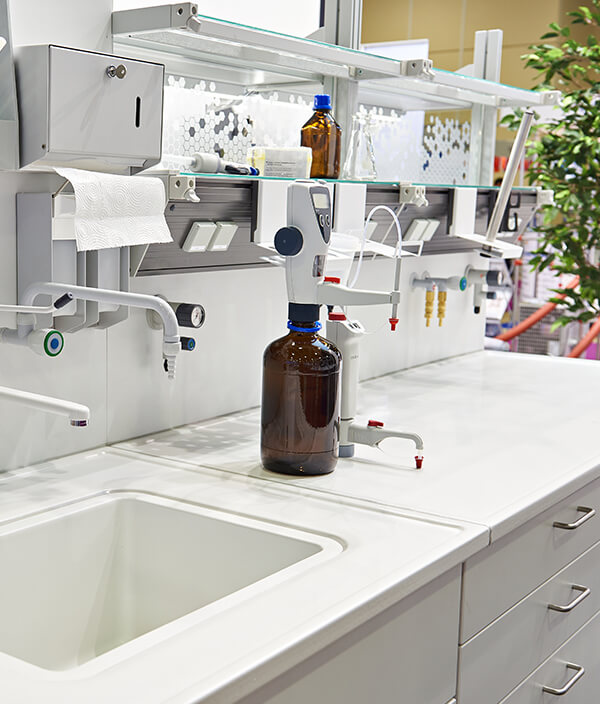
column 360, row 161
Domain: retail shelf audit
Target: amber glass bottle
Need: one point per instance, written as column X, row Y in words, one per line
column 300, row 400
column 324, row 136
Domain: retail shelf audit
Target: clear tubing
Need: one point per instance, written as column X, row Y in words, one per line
column 398, row 252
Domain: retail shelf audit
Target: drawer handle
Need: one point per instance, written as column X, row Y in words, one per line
column 584, row 593
column 587, row 514
column 579, row 673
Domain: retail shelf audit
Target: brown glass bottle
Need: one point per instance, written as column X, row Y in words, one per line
column 324, row 136
column 300, row 403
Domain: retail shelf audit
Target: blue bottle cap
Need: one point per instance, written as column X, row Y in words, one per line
column 322, row 102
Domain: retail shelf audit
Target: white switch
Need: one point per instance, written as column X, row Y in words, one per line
column 416, row 230
column 432, row 226
column 223, row 236
column 199, row 237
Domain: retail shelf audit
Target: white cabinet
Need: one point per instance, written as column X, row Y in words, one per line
column 573, row 672
column 405, row 654
column 524, row 598
column 504, row 653
column 497, row 578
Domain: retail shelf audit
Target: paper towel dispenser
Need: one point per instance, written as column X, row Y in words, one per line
column 88, row 110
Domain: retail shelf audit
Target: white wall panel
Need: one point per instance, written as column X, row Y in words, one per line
column 82, row 24
column 245, row 310
column 413, row 343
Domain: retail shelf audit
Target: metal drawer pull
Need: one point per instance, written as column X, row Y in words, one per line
column 588, row 513
column 585, row 592
column 579, row 673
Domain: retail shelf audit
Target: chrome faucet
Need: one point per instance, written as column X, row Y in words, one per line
column 78, row 414
column 171, row 339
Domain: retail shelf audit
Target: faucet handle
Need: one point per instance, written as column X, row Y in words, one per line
column 188, row 344
column 63, row 301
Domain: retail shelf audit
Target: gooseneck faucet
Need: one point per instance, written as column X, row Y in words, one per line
column 171, row 340
column 78, row 414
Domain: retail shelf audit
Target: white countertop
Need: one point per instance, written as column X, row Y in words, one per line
column 220, row 654
column 506, row 436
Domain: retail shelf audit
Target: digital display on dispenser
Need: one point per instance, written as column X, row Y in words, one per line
column 320, row 200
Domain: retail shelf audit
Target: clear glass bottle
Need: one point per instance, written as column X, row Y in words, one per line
column 324, row 136
column 300, row 401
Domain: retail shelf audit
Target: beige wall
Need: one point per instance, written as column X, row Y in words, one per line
column 450, row 26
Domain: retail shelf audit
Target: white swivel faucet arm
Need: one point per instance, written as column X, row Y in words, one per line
column 171, row 339
column 77, row 413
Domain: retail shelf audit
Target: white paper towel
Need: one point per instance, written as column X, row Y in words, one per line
column 117, row 211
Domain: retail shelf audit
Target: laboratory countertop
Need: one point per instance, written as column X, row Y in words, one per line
column 370, row 558
column 506, row 436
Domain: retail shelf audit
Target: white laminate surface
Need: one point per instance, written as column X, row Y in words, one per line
column 223, row 651
column 506, row 436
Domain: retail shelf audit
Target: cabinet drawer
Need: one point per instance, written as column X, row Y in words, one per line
column 581, row 679
column 408, row 653
column 499, row 576
column 504, row 653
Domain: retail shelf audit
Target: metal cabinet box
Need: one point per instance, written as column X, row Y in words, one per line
column 74, row 112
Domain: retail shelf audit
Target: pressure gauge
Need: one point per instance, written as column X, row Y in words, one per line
column 190, row 315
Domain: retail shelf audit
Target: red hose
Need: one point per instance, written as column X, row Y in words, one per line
column 585, row 341
column 537, row 316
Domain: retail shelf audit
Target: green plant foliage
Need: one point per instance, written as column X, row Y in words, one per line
column 565, row 154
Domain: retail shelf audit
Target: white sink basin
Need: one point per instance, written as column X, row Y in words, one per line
column 82, row 579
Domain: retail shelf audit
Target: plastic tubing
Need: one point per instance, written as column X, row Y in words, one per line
column 398, row 252
column 586, row 341
column 537, row 316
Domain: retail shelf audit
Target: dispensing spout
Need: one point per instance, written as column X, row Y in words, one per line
column 373, row 434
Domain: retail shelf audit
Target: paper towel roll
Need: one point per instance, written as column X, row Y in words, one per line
column 117, row 211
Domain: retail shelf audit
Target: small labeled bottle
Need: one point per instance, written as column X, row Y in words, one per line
column 324, row 136
column 300, row 398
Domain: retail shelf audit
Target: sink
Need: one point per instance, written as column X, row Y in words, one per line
column 85, row 578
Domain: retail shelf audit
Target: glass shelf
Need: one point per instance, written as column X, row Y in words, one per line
column 244, row 177
column 206, row 47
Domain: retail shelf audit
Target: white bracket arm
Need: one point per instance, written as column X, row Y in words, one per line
column 339, row 295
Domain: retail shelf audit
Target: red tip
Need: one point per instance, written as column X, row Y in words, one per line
column 393, row 323
column 518, row 262
column 375, row 424
column 419, row 461
column 332, row 280
column 337, row 316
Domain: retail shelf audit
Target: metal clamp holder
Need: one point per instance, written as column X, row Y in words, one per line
column 417, row 68
column 409, row 194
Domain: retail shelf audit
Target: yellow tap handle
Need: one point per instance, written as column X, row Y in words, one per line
column 441, row 314
column 429, row 300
